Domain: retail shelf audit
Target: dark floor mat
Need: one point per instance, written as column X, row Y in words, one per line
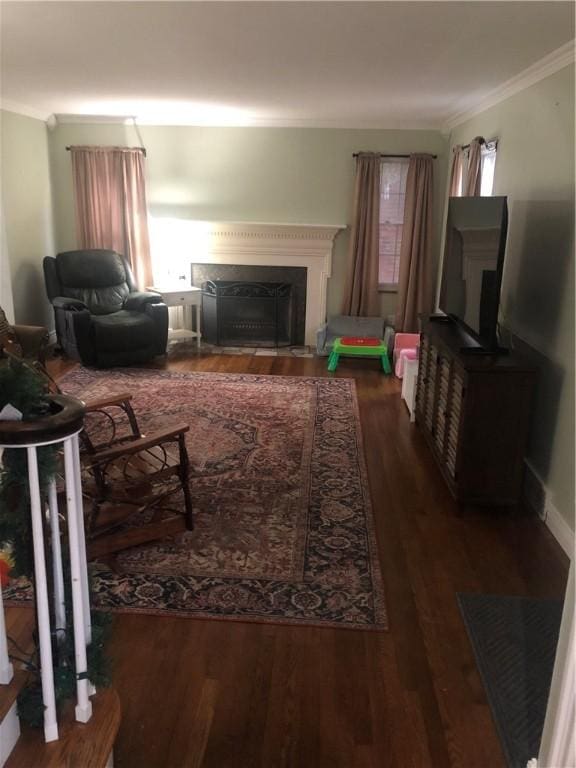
column 514, row 641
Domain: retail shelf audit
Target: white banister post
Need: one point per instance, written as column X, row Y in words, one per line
column 82, row 551
column 6, row 670
column 83, row 709
column 41, row 587
column 59, row 602
column 82, row 541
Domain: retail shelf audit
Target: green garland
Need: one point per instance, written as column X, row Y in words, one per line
column 25, row 389
column 15, row 528
column 30, row 704
column 22, row 387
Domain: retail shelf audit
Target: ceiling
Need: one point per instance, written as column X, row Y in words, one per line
column 350, row 64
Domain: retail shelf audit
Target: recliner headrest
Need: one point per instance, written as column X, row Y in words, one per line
column 94, row 268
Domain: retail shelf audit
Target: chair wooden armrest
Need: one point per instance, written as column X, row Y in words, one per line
column 105, row 402
column 135, row 446
column 129, row 473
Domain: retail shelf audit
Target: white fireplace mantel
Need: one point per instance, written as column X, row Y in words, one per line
column 275, row 245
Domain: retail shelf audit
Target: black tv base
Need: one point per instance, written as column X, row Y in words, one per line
column 468, row 344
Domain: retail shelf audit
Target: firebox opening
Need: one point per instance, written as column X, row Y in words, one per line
column 246, row 313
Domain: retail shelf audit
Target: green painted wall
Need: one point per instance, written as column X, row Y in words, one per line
column 535, row 168
column 281, row 175
column 27, row 209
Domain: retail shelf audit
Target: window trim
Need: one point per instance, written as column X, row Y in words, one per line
column 387, row 287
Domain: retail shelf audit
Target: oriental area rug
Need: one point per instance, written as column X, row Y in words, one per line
column 283, row 527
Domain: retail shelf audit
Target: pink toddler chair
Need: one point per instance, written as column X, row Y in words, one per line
column 405, row 346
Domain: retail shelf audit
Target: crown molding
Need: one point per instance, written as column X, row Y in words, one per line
column 22, row 109
column 553, row 62
column 305, row 122
column 251, row 122
column 66, row 119
column 381, row 124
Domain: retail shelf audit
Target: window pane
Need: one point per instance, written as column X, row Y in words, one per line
column 487, row 172
column 392, row 195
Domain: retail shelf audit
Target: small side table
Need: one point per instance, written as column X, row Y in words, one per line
column 409, row 385
column 189, row 296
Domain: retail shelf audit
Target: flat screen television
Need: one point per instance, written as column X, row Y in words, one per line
column 472, row 268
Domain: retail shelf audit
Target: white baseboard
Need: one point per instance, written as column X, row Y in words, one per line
column 538, row 497
column 9, row 733
column 52, row 337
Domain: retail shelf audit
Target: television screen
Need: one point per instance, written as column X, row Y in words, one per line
column 472, row 268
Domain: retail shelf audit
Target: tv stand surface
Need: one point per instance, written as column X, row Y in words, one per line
column 479, row 350
column 474, row 410
column 468, row 344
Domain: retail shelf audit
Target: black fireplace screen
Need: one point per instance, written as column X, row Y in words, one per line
column 247, row 313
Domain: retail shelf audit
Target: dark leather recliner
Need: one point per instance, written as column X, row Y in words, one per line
column 101, row 317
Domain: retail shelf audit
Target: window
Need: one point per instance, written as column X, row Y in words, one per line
column 487, row 165
column 173, row 243
column 393, row 172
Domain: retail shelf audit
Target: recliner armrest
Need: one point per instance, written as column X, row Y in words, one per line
column 137, row 300
column 74, row 305
column 159, row 314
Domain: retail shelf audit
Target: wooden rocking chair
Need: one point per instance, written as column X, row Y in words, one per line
column 128, row 479
column 135, row 484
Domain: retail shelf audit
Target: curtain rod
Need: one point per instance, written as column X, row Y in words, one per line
column 355, row 154
column 484, row 141
column 122, row 149
column 467, row 146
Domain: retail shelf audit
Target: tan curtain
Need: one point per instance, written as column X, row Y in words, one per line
column 474, row 168
column 361, row 292
column 415, row 283
column 110, row 197
column 455, row 188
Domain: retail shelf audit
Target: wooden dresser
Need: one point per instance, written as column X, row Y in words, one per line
column 474, row 411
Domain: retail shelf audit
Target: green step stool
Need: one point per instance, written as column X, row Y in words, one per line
column 362, row 348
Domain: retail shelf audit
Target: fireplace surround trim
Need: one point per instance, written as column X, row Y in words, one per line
column 282, row 245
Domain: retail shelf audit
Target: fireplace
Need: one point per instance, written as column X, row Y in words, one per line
column 247, row 313
column 243, row 245
column 242, row 274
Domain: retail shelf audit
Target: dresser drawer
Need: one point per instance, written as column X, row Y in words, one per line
column 177, row 299
column 181, row 298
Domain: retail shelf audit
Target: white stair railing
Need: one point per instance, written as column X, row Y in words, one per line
column 61, row 432
column 9, row 726
column 6, row 670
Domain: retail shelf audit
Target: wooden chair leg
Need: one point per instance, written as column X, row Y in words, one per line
column 184, row 474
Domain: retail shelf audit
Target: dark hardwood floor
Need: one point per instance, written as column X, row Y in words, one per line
column 222, row 694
